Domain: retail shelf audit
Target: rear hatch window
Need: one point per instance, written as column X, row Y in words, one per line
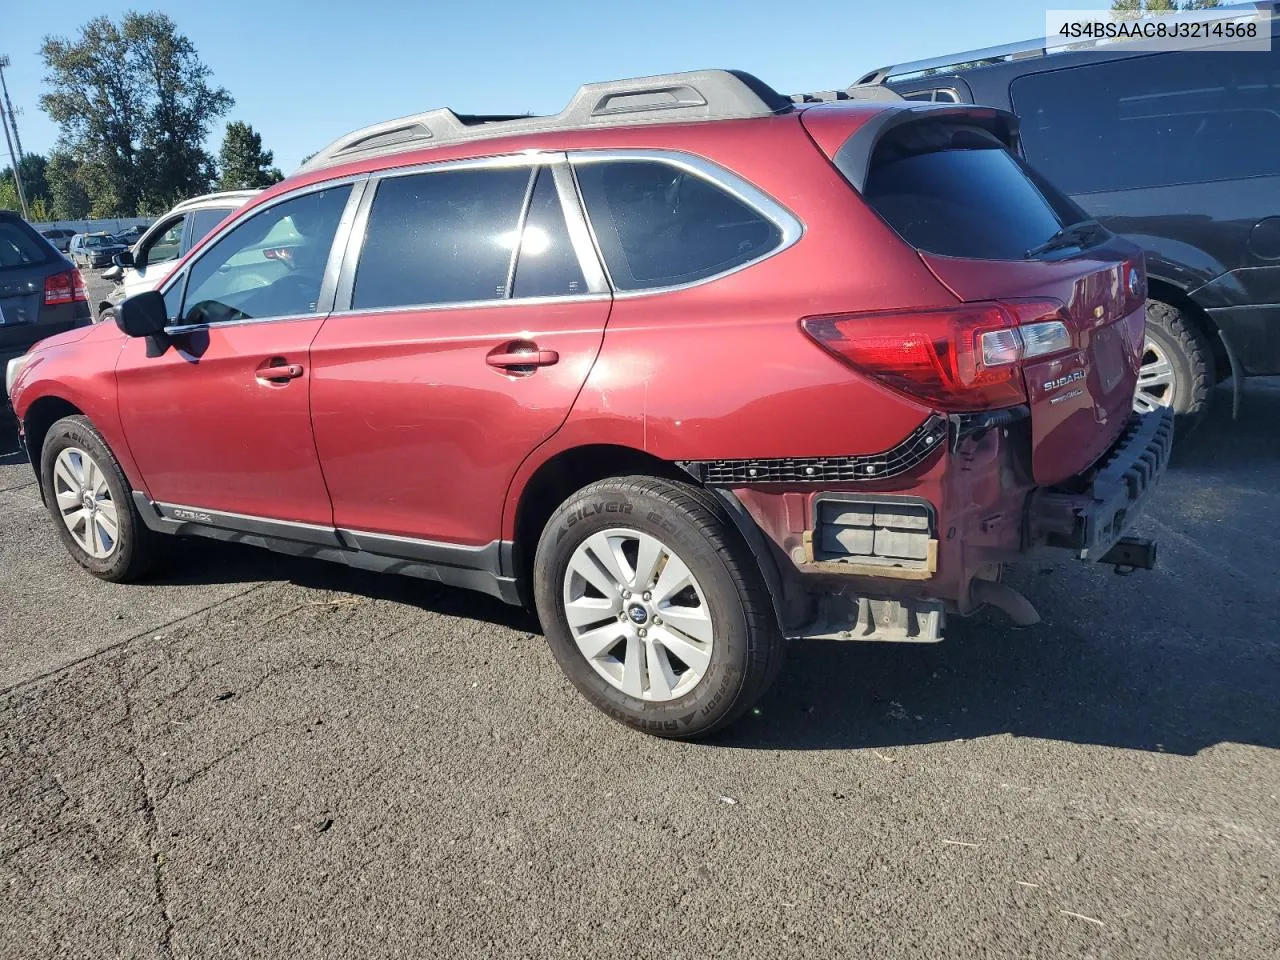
column 997, row 233
column 958, row 193
column 20, row 246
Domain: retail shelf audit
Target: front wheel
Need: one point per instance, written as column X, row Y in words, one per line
column 654, row 607
column 90, row 500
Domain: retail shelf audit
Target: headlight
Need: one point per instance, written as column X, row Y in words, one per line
column 12, row 369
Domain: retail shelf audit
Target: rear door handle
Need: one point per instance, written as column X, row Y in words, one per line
column 513, row 356
column 277, row 371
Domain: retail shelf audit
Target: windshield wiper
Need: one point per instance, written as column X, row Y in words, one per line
column 1074, row 235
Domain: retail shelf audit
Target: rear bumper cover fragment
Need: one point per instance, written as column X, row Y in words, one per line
column 1091, row 517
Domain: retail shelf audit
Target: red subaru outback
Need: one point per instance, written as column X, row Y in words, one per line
column 691, row 367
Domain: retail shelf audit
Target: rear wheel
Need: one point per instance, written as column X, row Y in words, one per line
column 91, row 503
column 1177, row 366
column 654, row 607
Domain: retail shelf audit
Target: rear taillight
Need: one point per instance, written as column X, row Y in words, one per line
column 65, row 287
column 962, row 358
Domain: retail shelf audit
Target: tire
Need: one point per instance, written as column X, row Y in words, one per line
column 727, row 602
column 1177, row 366
column 134, row 548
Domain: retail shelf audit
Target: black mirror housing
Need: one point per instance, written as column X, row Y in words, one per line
column 143, row 315
column 123, row 259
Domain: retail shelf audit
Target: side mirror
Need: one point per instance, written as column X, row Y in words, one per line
column 123, row 259
column 113, row 273
column 143, row 315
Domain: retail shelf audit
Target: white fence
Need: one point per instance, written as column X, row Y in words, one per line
column 96, row 226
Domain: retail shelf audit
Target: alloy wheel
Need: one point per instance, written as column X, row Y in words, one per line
column 638, row 614
column 85, row 504
column 1155, row 379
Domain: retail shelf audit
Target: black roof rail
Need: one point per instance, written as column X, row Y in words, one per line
column 667, row 98
column 1035, row 47
column 855, row 92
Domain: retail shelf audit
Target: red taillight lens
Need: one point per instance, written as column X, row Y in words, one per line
column 65, row 288
column 959, row 359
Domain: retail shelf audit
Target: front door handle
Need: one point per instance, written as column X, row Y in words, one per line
column 522, row 353
column 276, row 370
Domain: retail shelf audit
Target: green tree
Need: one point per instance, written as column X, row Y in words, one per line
column 245, row 165
column 34, row 184
column 68, row 192
column 134, row 103
column 1135, row 8
column 9, row 195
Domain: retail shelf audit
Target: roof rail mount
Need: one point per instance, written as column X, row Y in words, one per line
column 666, row 98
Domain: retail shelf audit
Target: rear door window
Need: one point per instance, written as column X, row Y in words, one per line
column 442, row 237
column 547, row 265
column 1153, row 121
column 956, row 191
column 659, row 225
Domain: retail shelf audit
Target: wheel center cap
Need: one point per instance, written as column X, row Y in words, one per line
column 88, row 501
column 638, row 614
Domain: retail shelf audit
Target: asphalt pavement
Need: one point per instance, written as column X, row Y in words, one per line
column 257, row 756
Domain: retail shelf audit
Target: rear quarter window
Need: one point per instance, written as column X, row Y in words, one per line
column 659, row 225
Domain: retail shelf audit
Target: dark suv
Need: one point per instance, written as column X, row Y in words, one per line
column 41, row 292
column 690, row 368
column 1177, row 150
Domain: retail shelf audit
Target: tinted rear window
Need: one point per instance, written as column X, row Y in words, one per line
column 971, row 199
column 19, row 245
column 1153, row 121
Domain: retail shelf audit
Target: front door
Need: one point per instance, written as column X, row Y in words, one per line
column 471, row 321
column 220, row 420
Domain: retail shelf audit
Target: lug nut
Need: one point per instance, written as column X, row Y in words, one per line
column 647, row 595
column 626, row 594
column 657, row 622
column 643, row 631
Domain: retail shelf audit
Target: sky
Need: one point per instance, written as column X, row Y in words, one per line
column 303, row 73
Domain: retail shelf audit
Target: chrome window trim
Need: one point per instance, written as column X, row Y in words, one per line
column 178, row 329
column 472, row 304
column 575, row 220
column 790, row 226
column 226, row 228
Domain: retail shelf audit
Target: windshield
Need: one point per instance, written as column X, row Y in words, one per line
column 98, row 241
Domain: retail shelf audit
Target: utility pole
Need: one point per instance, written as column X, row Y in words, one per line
column 6, row 117
column 17, row 180
column 8, row 106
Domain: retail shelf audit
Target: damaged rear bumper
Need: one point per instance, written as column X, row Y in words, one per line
column 1091, row 514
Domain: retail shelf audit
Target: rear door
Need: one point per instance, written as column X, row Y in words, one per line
column 469, row 314
column 992, row 229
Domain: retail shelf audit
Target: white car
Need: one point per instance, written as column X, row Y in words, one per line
column 145, row 265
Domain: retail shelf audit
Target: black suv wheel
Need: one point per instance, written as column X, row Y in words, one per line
column 1177, row 366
